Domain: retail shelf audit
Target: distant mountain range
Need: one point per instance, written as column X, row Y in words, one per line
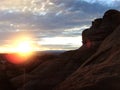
column 52, row 51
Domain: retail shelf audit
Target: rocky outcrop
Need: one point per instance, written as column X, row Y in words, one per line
column 101, row 71
column 102, row 27
column 94, row 36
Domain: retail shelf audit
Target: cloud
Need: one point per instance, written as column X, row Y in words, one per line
column 58, row 47
column 63, row 15
column 50, row 18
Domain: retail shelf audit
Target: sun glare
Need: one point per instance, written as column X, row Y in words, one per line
column 23, row 49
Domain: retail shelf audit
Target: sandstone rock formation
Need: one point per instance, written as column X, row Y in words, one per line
column 101, row 71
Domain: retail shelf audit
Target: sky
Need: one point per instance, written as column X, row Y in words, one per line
column 51, row 24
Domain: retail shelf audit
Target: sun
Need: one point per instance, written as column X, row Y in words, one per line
column 24, row 47
column 24, row 50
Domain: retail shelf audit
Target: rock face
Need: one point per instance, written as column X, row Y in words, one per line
column 101, row 71
column 94, row 66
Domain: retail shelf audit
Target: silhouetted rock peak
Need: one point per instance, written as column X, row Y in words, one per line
column 101, row 27
column 110, row 13
column 96, row 23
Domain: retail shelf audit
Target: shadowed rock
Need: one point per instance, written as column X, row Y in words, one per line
column 101, row 71
column 5, row 83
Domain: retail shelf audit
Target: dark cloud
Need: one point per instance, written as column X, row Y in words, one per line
column 75, row 13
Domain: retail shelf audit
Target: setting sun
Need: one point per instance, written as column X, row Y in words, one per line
column 23, row 49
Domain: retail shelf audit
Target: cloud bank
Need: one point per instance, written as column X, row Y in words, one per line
column 51, row 18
